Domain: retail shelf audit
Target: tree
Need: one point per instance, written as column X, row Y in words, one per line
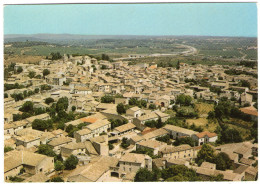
column 36, row 90
column 184, row 100
column 62, row 104
column 179, row 173
column 152, row 106
column 125, row 143
column 143, row 175
column 178, row 65
column 73, row 108
column 32, row 74
column 27, row 107
column 107, row 99
column 219, row 177
column 42, row 124
column 7, row 149
column 121, row 108
column 223, row 161
column 49, row 100
column 71, row 162
column 45, row 72
column 58, row 165
column 46, row 150
column 19, row 70
column 186, row 140
column 57, row 179
column 206, row 153
column 5, row 95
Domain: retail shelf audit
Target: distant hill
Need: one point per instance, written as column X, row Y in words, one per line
column 52, row 38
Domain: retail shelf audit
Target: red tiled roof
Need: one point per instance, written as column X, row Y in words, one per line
column 88, row 120
column 209, row 134
column 145, row 131
column 249, row 110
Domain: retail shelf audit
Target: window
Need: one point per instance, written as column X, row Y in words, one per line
column 41, row 170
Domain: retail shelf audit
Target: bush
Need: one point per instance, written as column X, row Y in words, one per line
column 71, row 162
column 49, row 100
column 57, row 179
column 42, row 124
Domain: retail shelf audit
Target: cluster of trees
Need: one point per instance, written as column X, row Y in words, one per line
column 139, row 103
column 184, row 100
column 117, row 122
column 31, row 74
column 28, row 111
column 202, row 82
column 45, row 87
column 207, row 153
column 155, row 124
column 248, row 63
column 238, row 72
column 121, row 108
column 59, row 165
column 105, row 57
column 49, row 100
column 173, row 173
column 42, row 125
column 108, row 99
column 21, row 96
column 152, row 106
column 165, row 139
column 244, row 83
column 125, row 143
column 215, row 90
column 227, row 135
column 7, row 149
column 45, row 72
column 145, row 150
column 182, row 123
column 185, row 113
column 55, row 56
column 225, row 109
column 70, row 129
column 13, row 86
column 9, row 69
column 186, row 140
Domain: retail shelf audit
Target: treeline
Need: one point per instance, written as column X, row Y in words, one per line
column 250, row 64
column 171, row 174
column 239, row 72
column 26, row 44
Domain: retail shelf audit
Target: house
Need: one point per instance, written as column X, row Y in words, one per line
column 44, row 116
column 135, row 139
column 83, row 135
column 97, row 170
column 83, row 148
column 150, row 144
column 123, row 129
column 251, row 111
column 132, row 162
column 205, row 137
column 28, row 140
column 57, row 143
column 33, row 163
column 176, row 132
column 248, row 172
column 207, row 173
column 134, row 112
column 155, row 134
column 179, row 152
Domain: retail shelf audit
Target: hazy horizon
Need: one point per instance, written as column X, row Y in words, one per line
column 169, row 19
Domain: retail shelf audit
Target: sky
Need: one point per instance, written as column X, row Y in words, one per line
column 205, row 19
